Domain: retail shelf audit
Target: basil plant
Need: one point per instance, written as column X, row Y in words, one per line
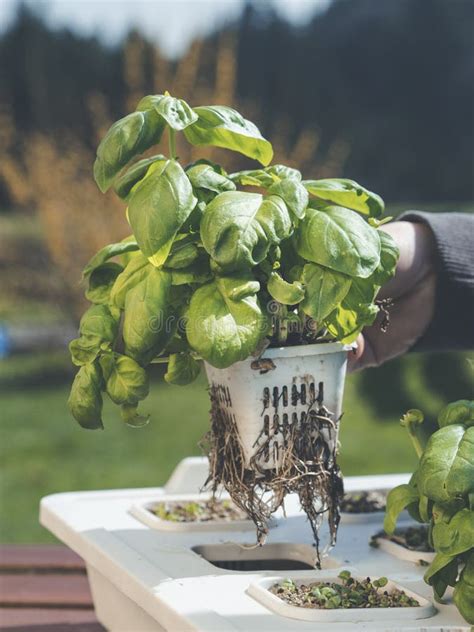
column 441, row 494
column 217, row 265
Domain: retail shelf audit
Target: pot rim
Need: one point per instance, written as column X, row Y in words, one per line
column 321, row 348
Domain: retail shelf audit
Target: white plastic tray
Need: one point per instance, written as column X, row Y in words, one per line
column 143, row 579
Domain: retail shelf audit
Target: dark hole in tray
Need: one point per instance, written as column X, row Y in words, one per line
column 261, row 565
column 271, row 557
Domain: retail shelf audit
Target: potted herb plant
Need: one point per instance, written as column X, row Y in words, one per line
column 265, row 276
column 441, row 495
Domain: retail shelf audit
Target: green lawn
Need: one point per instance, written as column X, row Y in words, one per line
column 43, row 451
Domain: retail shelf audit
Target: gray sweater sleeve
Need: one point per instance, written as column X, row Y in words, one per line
column 452, row 326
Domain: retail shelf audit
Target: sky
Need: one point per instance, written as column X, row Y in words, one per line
column 173, row 24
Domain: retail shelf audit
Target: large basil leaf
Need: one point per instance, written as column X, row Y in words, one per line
column 324, row 290
column 339, row 239
column 127, row 138
column 205, row 177
column 294, row 195
column 389, row 254
column 284, row 292
column 447, row 466
column 149, row 321
column 464, row 591
column 222, row 126
column 346, row 193
column 158, row 208
column 85, row 400
column 101, row 281
column 182, row 369
column 223, row 330
column 107, row 252
column 124, row 184
column 136, row 270
column 397, row 500
column 97, row 331
column 176, row 112
column 126, row 381
column 238, row 228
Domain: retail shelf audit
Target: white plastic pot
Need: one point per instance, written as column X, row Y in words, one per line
column 259, row 401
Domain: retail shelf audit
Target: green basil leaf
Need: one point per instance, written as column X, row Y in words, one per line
column 464, row 591
column 198, row 272
column 447, row 466
column 339, row 239
column 149, row 321
column 238, row 228
column 158, row 208
column 205, row 177
column 440, row 561
column 183, row 252
column 107, row 252
column 397, row 500
column 389, row 254
column 253, row 178
column 324, row 290
column 84, row 349
column 136, row 270
column 293, row 194
column 101, row 281
column 346, row 193
column 222, row 330
column 345, row 323
column 85, row 400
column 131, row 416
column 127, row 138
column 97, row 331
column 176, row 112
column 456, row 536
column 283, row 172
column 182, row 369
column 284, row 292
column 126, row 381
column 222, row 126
column 460, row 412
column 124, row 184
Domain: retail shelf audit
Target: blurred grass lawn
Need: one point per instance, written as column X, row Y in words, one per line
column 43, row 451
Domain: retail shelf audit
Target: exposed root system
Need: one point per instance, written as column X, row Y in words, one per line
column 303, row 450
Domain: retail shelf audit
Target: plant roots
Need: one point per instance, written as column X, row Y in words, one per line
column 305, row 452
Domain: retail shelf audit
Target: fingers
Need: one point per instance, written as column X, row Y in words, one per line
column 410, row 317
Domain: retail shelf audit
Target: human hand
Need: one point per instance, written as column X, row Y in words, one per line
column 413, row 292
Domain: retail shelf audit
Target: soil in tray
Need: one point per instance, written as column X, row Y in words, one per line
column 198, row 511
column 347, row 593
column 412, row 538
column 364, row 502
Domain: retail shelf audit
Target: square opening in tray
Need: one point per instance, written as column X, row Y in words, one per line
column 270, row 557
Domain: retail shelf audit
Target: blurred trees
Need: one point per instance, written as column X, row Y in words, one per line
column 393, row 78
